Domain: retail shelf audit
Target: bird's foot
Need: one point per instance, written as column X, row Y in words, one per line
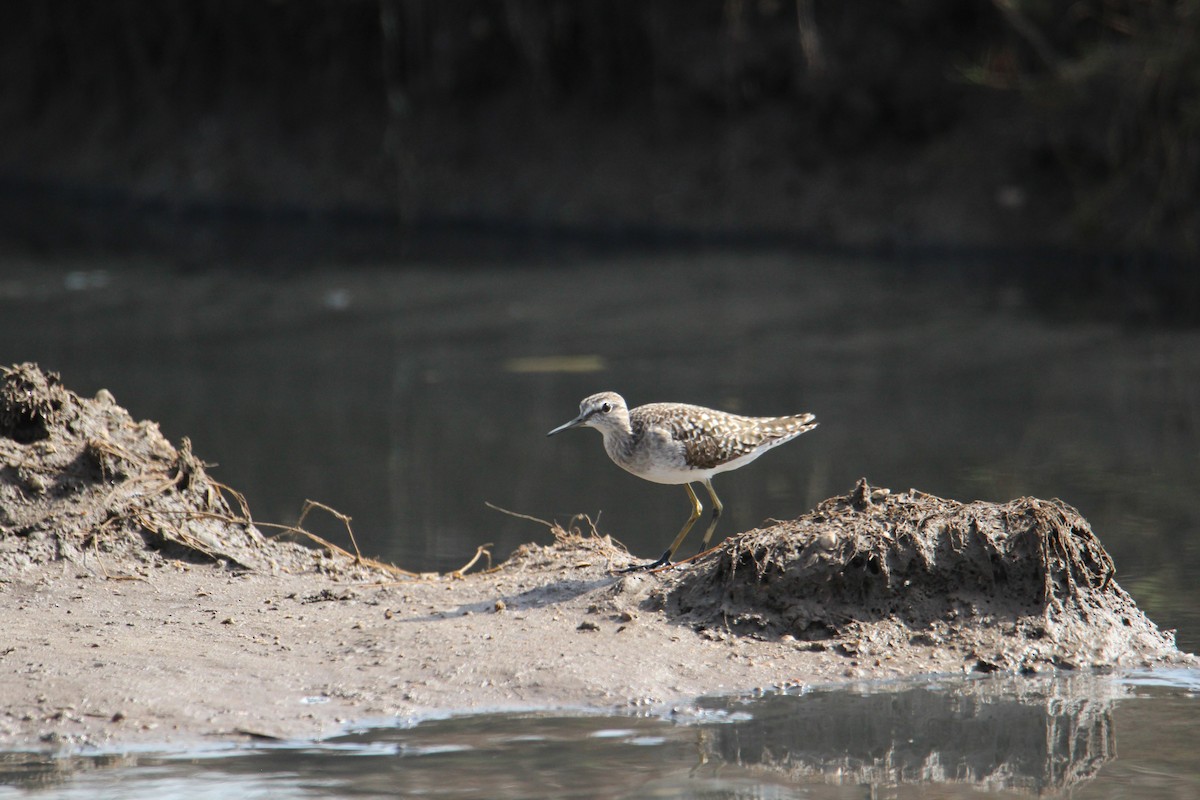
column 664, row 561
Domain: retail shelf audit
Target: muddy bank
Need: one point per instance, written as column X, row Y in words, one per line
column 80, row 474
column 143, row 604
column 1021, row 586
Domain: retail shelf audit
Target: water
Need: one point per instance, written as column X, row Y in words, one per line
column 407, row 396
column 1089, row 736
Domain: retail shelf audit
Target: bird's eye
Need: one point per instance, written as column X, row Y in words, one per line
column 605, row 408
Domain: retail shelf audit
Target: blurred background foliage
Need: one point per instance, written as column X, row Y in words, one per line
column 1117, row 87
column 879, row 124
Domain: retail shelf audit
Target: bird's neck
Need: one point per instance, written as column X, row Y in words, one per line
column 618, row 442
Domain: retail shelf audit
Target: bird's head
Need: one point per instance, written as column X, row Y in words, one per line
column 604, row 411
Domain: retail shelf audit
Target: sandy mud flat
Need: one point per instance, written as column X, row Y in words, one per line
column 143, row 605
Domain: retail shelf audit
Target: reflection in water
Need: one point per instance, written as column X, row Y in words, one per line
column 1027, row 735
column 1014, row 735
column 37, row 770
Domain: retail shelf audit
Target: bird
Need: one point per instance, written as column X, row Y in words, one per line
column 677, row 443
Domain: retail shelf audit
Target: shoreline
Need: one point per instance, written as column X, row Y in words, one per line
column 194, row 654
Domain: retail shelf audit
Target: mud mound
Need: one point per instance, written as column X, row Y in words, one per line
column 79, row 476
column 1017, row 585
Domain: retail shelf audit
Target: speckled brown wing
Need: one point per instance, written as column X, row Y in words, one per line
column 712, row 438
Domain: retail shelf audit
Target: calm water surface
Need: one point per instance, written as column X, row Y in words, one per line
column 1084, row 736
column 408, row 395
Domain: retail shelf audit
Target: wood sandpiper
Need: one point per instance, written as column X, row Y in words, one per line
column 679, row 443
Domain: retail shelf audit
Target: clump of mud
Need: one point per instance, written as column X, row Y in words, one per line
column 573, row 547
column 80, row 478
column 1014, row 586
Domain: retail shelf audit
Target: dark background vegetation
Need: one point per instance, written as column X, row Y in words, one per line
column 1071, row 128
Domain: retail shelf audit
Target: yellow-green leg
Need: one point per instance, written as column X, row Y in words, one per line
column 697, row 509
column 717, row 509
